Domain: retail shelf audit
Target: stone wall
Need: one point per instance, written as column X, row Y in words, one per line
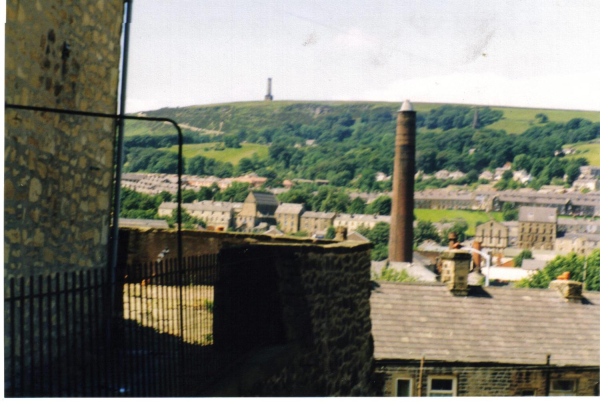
column 488, row 379
column 323, row 296
column 137, row 245
column 310, row 297
column 58, row 168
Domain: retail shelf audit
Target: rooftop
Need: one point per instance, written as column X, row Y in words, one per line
column 534, row 214
column 493, row 324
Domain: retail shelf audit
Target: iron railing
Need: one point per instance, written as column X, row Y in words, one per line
column 162, row 332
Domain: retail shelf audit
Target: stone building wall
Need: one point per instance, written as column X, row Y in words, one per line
column 537, row 236
column 58, row 168
column 489, row 379
column 324, row 314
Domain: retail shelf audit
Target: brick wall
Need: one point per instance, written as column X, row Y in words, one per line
column 58, row 168
column 488, row 380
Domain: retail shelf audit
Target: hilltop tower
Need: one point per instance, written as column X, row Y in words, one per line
column 403, row 181
column 268, row 96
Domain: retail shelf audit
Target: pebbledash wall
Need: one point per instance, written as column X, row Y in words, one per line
column 58, row 168
column 488, row 380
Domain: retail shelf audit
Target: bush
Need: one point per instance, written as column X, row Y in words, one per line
column 391, row 275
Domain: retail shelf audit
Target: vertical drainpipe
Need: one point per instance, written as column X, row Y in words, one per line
column 114, row 234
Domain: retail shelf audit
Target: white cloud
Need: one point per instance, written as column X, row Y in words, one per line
column 355, row 39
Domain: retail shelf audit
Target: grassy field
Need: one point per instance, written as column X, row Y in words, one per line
column 517, row 120
column 231, row 155
column 588, row 150
column 471, row 217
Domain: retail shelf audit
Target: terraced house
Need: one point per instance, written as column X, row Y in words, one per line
column 431, row 340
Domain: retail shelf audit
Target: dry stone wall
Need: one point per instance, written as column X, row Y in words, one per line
column 58, row 168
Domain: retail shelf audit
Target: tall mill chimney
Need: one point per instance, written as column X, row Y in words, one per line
column 268, row 96
column 403, row 198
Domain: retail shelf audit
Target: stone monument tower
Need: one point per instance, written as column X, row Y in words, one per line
column 268, row 96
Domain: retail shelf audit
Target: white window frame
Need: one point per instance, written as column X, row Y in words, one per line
column 442, row 377
column 403, row 377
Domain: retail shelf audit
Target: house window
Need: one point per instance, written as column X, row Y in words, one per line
column 403, row 387
column 528, row 392
column 563, row 387
column 441, row 386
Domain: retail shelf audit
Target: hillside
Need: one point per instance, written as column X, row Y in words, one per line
column 227, row 118
column 589, row 150
column 346, row 143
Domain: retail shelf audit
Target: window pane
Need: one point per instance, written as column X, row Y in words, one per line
column 441, row 384
column 563, row 385
column 403, row 388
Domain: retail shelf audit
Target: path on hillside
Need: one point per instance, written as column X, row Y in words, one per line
column 188, row 127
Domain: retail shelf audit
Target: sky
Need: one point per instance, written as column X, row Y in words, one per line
column 542, row 54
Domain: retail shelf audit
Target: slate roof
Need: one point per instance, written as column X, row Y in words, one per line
column 320, row 215
column 265, row 198
column 494, row 324
column 218, row 206
column 288, row 208
column 535, row 214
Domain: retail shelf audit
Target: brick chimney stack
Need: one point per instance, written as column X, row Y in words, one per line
column 401, row 229
column 268, row 96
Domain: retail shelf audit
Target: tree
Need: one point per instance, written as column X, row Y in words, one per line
column 245, row 165
column 382, row 206
column 425, row 231
column 357, row 206
column 572, row 263
column 188, row 196
column 459, row 227
column 195, row 165
column 523, row 255
column 391, row 275
column 187, row 221
column 509, row 212
column 507, row 175
column 542, row 118
column 205, row 193
column 231, row 141
column 380, row 237
column 330, row 234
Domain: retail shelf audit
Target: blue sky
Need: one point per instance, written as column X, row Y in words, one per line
column 515, row 53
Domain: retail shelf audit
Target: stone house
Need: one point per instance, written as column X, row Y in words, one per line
column 537, row 228
column 218, row 215
column 312, row 222
column 288, row 217
column 354, row 221
column 590, row 184
column 433, row 341
column 572, row 225
column 257, row 208
column 493, row 235
column 580, row 243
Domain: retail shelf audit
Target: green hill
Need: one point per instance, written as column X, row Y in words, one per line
column 227, row 118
